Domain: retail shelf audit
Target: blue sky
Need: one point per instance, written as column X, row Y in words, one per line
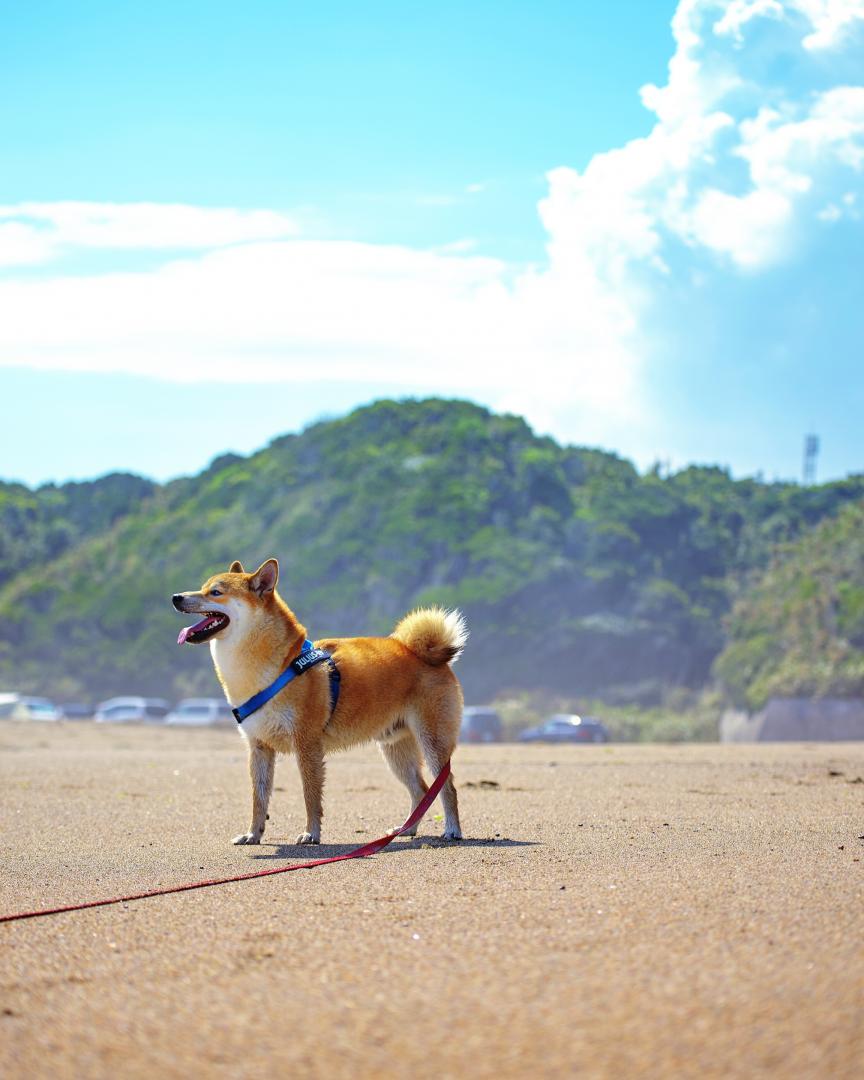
column 220, row 223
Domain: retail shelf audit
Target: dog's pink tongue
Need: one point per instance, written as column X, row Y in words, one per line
column 187, row 630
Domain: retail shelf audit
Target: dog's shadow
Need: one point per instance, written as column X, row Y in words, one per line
column 310, row 852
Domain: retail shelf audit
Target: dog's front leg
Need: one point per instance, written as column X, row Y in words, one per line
column 310, row 759
column 261, row 768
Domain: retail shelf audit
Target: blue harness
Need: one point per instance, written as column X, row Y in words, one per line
column 309, row 657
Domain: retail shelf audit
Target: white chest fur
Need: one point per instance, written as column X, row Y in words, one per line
column 273, row 723
column 232, row 670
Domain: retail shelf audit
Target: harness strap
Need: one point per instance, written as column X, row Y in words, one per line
column 308, row 658
column 335, row 684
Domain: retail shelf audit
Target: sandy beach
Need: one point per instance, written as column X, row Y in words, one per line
column 614, row 911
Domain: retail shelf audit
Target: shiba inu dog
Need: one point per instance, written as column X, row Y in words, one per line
column 399, row 691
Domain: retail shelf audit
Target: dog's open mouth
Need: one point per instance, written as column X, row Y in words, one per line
column 211, row 624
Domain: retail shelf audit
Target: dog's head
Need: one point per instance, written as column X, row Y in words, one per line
column 231, row 603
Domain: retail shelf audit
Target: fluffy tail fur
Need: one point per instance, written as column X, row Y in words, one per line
column 434, row 634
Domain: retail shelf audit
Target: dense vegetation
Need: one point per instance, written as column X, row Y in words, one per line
column 578, row 575
column 800, row 630
column 39, row 526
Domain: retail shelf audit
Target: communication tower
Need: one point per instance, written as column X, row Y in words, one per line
column 811, row 453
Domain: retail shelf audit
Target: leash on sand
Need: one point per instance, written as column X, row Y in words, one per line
column 372, row 848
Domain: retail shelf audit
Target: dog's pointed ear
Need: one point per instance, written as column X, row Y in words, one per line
column 236, row 567
column 263, row 581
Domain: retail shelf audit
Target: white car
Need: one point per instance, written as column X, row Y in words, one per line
column 24, row 707
column 132, row 710
column 201, row 712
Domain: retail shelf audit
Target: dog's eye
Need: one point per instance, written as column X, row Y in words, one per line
column 215, row 592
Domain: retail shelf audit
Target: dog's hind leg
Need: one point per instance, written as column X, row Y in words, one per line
column 438, row 746
column 261, row 767
column 403, row 757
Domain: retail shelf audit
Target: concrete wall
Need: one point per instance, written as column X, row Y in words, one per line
column 796, row 720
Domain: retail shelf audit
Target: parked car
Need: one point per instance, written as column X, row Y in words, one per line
column 24, row 707
column 75, row 710
column 201, row 712
column 565, row 727
column 480, row 724
column 132, row 710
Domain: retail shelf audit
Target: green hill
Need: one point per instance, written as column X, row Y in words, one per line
column 39, row 526
column 800, row 630
column 577, row 574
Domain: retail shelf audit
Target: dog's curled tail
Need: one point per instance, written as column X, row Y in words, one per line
column 434, row 634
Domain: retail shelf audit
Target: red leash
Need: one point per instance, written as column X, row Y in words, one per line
column 371, row 848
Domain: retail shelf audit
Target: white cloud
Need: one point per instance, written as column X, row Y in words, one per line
column 32, row 232
column 305, row 310
column 740, row 12
column 22, row 245
column 829, row 20
column 744, row 227
column 719, row 107
column 740, row 168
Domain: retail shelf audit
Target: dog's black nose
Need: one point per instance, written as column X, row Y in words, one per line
column 177, row 600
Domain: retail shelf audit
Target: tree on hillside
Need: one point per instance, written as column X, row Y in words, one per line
column 800, row 630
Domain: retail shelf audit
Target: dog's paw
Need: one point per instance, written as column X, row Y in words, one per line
column 247, row 838
column 408, row 832
column 308, row 838
column 452, row 834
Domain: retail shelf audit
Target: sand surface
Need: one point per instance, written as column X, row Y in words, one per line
column 616, row 912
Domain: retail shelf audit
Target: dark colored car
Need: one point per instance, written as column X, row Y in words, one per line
column 76, row 710
column 480, row 725
column 567, row 728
